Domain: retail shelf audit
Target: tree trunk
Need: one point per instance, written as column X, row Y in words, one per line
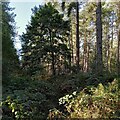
column 108, row 53
column 107, row 46
column 118, row 58
column 71, row 45
column 85, row 64
column 52, row 55
column 53, row 63
column 111, row 43
column 119, row 53
column 77, row 35
column 88, row 55
column 99, row 38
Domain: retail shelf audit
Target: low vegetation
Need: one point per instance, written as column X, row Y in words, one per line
column 66, row 98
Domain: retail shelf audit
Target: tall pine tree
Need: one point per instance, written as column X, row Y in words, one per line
column 9, row 57
column 44, row 44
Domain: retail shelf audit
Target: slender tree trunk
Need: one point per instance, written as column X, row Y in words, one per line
column 119, row 53
column 72, row 56
column 71, row 44
column 99, row 38
column 53, row 63
column 85, row 64
column 118, row 58
column 88, row 55
column 111, row 43
column 107, row 45
column 108, row 53
column 77, row 35
column 52, row 55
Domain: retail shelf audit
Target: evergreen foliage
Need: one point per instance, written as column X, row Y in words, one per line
column 10, row 61
column 44, row 44
column 47, row 83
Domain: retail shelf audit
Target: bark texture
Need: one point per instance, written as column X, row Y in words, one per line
column 99, row 38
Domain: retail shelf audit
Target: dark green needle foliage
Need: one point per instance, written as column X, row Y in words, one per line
column 10, row 60
column 44, row 43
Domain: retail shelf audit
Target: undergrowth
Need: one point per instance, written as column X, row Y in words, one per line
column 73, row 96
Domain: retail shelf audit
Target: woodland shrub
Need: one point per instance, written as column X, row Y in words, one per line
column 92, row 102
column 24, row 98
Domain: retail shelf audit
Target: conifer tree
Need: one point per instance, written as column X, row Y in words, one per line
column 44, row 44
column 10, row 60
